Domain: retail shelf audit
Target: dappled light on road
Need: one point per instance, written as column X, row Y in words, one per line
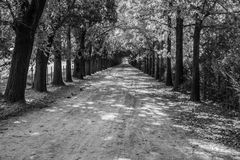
column 123, row 114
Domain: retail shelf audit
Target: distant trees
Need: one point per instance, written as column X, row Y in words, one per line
column 50, row 20
column 94, row 16
column 55, row 17
column 192, row 22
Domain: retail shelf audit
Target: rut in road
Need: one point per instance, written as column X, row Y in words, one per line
column 120, row 115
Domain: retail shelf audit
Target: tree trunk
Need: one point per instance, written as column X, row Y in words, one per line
column 144, row 64
column 40, row 83
column 93, row 65
column 76, row 67
column 68, row 63
column 169, row 73
column 57, row 75
column 87, row 67
column 195, row 90
column 179, row 52
column 169, row 65
column 153, row 64
column 156, row 74
column 40, row 78
column 69, row 71
column 79, row 63
column 1, row 32
column 83, row 61
column 161, row 69
column 16, row 85
column 149, row 65
column 25, row 32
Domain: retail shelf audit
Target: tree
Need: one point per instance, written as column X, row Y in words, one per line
column 79, row 62
column 57, row 74
column 25, row 25
column 195, row 92
column 169, row 50
column 68, row 63
column 179, row 51
column 56, row 15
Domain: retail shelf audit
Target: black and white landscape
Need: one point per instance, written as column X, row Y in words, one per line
column 119, row 80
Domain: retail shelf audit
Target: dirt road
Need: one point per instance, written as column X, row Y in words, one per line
column 119, row 115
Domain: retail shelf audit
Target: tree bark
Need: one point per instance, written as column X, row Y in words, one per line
column 79, row 62
column 169, row 65
column 156, row 74
column 179, row 52
column 153, row 64
column 87, row 68
column 25, row 30
column 69, row 63
column 195, row 89
column 57, row 74
column 83, row 61
column 1, row 32
column 40, row 82
column 148, row 64
column 144, row 64
column 76, row 68
column 161, row 69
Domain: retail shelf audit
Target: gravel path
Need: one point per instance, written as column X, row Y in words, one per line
column 120, row 115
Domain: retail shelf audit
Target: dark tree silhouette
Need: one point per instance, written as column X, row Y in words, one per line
column 179, row 51
column 25, row 27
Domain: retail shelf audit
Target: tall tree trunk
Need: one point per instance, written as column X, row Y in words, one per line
column 68, row 63
column 169, row 46
column 1, row 36
column 69, row 71
column 79, row 62
column 83, row 61
column 195, row 90
column 148, row 65
column 90, row 66
column 153, row 64
column 16, row 85
column 40, row 82
column 145, row 64
column 93, row 65
column 1, row 32
column 25, row 31
column 76, row 68
column 161, row 69
column 87, row 67
column 57, row 74
column 82, row 68
column 179, row 52
column 156, row 74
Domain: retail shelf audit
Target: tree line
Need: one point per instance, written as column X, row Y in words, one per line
column 50, row 31
column 190, row 45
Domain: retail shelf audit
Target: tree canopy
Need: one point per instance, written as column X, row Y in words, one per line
column 192, row 45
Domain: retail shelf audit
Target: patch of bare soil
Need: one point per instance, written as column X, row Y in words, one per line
column 121, row 114
column 36, row 100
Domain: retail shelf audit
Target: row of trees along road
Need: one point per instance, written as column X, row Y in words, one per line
column 46, row 31
column 191, row 45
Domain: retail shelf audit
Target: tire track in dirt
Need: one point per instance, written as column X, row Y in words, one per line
column 113, row 118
